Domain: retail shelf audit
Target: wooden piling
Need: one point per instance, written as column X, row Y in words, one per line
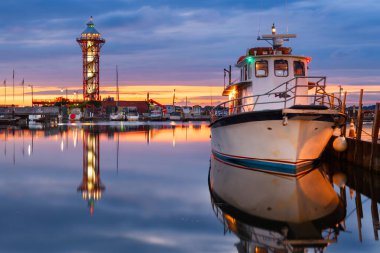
column 375, row 219
column 344, row 128
column 359, row 124
column 359, row 214
column 375, row 133
column 332, row 101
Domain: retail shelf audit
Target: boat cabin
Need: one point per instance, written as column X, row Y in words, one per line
column 273, row 72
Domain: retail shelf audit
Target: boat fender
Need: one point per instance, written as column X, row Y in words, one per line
column 340, row 144
column 352, row 132
column 337, row 131
column 340, row 179
column 285, row 120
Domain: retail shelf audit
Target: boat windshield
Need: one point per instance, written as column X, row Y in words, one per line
column 281, row 67
column 299, row 68
column 261, row 68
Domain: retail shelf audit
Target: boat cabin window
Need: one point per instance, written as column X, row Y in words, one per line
column 281, row 67
column 299, row 68
column 245, row 72
column 261, row 68
column 249, row 71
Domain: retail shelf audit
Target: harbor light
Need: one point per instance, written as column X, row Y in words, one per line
column 250, row 59
column 273, row 29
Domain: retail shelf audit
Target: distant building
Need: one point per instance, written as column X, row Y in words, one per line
column 110, row 105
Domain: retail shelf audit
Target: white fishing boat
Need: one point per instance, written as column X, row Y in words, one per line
column 132, row 114
column 155, row 114
column 175, row 116
column 117, row 116
column 133, row 117
column 277, row 116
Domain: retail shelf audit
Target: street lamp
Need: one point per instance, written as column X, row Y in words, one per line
column 76, row 95
column 62, row 89
column 31, row 86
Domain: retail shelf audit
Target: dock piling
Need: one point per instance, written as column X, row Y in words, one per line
column 375, row 133
column 359, row 124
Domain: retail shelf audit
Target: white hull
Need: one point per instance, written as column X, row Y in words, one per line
column 132, row 117
column 175, row 118
column 274, row 197
column 116, row 116
column 296, row 142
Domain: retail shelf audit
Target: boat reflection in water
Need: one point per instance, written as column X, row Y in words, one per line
column 273, row 213
column 91, row 185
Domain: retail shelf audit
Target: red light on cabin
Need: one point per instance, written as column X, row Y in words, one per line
column 308, row 59
column 241, row 58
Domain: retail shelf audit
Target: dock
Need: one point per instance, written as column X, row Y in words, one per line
column 14, row 114
column 363, row 153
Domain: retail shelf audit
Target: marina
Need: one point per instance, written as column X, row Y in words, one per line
column 179, row 126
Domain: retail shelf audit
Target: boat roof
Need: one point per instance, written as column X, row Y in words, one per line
column 268, row 52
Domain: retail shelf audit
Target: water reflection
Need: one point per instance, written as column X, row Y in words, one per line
column 360, row 190
column 91, row 185
column 272, row 213
column 133, row 160
column 13, row 137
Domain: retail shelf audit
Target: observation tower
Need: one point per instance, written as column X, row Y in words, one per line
column 90, row 42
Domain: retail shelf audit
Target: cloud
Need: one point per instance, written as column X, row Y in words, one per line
column 168, row 42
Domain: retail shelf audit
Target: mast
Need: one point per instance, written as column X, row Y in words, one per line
column 174, row 97
column 5, row 91
column 13, row 86
column 117, row 86
column 23, row 100
column 276, row 40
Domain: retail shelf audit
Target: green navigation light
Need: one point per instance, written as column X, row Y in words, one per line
column 250, row 59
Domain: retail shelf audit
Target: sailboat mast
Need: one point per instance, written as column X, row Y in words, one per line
column 174, row 97
column 117, row 86
column 13, row 86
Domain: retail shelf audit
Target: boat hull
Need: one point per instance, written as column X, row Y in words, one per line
column 270, row 196
column 132, row 117
column 265, row 139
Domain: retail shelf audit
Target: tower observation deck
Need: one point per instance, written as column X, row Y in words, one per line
column 90, row 42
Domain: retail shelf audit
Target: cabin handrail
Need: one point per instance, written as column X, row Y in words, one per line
column 318, row 96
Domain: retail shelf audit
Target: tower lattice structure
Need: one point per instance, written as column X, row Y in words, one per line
column 91, row 42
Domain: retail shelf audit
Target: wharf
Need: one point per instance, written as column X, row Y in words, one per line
column 358, row 153
column 361, row 153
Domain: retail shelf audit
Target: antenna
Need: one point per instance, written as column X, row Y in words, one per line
column 286, row 13
column 259, row 17
column 276, row 40
column 117, row 85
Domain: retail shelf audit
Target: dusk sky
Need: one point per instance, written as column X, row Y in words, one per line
column 161, row 45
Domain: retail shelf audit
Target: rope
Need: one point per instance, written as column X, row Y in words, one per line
column 367, row 133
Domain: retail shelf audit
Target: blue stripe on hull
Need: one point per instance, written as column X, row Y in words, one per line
column 267, row 166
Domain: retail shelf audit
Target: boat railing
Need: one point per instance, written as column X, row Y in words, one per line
column 302, row 90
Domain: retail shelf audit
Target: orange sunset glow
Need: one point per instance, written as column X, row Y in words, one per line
column 196, row 95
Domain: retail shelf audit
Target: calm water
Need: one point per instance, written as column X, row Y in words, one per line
column 134, row 188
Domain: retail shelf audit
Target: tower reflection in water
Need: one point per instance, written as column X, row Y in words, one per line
column 267, row 231
column 91, row 185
